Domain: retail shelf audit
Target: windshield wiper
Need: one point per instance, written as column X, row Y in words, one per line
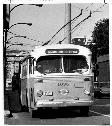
column 53, row 71
column 81, row 71
column 78, row 71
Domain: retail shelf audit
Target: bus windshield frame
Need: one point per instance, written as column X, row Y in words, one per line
column 62, row 64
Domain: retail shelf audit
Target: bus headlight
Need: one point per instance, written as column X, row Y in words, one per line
column 86, row 92
column 39, row 93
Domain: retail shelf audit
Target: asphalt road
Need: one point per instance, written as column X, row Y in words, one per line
column 99, row 114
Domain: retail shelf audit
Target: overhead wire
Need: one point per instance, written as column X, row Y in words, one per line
column 73, row 29
column 71, row 21
column 22, row 36
column 63, row 27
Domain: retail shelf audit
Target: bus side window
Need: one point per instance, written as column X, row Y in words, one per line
column 31, row 64
column 24, row 70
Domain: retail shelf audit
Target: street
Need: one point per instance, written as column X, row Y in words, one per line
column 99, row 114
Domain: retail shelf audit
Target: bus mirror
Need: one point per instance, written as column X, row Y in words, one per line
column 36, row 67
column 93, row 68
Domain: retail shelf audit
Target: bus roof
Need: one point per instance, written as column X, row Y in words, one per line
column 41, row 50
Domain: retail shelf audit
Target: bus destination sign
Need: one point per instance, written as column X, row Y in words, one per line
column 62, row 51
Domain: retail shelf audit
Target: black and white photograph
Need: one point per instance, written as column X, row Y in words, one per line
column 56, row 63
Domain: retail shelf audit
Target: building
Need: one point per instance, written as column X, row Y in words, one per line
column 104, row 69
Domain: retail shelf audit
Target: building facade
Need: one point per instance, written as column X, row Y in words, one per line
column 104, row 69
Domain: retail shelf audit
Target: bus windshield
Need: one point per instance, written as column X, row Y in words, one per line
column 49, row 64
column 59, row 64
column 74, row 64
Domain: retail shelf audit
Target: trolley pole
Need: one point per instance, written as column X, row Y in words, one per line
column 67, row 29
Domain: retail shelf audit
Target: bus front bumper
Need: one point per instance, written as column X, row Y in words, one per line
column 63, row 103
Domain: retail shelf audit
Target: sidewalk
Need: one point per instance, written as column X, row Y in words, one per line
column 6, row 93
column 6, row 106
column 6, row 110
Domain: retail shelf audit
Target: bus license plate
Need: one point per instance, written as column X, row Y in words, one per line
column 49, row 93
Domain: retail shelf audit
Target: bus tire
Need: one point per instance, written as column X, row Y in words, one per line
column 97, row 95
column 84, row 111
column 32, row 113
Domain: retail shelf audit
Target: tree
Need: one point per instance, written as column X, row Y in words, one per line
column 100, row 37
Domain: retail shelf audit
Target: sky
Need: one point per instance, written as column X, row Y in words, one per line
column 48, row 19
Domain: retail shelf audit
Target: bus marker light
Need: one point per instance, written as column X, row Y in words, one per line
column 49, row 93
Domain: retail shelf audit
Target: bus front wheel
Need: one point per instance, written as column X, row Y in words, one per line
column 84, row 111
column 32, row 113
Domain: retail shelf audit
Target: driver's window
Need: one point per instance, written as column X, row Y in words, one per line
column 48, row 64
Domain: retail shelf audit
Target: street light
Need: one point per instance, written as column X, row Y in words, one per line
column 7, row 30
column 21, row 44
column 7, row 42
column 39, row 5
column 30, row 24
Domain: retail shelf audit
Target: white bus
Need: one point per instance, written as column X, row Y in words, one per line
column 57, row 76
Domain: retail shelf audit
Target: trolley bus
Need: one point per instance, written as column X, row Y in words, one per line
column 57, row 76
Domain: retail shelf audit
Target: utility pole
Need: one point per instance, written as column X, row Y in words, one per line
column 67, row 29
column 6, row 20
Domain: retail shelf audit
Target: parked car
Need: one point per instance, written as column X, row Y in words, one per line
column 97, row 90
column 105, row 89
column 101, row 89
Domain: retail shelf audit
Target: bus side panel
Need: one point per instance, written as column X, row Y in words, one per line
column 23, row 91
column 64, row 89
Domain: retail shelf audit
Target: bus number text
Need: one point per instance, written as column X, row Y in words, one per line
column 63, row 84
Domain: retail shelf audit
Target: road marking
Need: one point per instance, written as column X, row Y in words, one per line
column 100, row 113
